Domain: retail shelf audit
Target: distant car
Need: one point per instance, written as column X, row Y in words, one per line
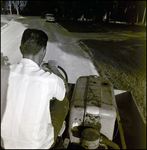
column 50, row 18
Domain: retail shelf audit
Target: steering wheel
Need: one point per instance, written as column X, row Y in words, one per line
column 64, row 72
column 61, row 70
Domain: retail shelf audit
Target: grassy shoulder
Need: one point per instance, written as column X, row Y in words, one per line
column 123, row 63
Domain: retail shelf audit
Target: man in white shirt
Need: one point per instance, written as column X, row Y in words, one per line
column 29, row 120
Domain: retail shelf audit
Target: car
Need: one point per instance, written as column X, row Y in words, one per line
column 50, row 18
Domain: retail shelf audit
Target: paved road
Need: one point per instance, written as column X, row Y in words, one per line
column 61, row 46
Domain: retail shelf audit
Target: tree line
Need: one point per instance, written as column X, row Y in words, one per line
column 127, row 11
column 7, row 7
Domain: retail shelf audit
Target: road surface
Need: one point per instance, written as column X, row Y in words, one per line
column 61, row 46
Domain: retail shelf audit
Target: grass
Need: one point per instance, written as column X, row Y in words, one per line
column 123, row 63
column 86, row 27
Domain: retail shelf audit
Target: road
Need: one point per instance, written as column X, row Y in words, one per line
column 62, row 46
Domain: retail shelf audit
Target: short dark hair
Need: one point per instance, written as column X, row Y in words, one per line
column 32, row 41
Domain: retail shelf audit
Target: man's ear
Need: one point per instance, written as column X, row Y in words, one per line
column 44, row 51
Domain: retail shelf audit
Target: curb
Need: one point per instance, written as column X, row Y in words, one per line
column 6, row 24
column 61, row 26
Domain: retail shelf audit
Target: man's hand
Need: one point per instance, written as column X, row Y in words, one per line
column 44, row 66
column 52, row 64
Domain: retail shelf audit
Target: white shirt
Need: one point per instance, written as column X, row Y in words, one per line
column 25, row 105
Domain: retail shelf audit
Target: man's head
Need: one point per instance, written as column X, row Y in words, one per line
column 33, row 43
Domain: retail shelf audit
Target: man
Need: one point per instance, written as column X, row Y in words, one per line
column 30, row 118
